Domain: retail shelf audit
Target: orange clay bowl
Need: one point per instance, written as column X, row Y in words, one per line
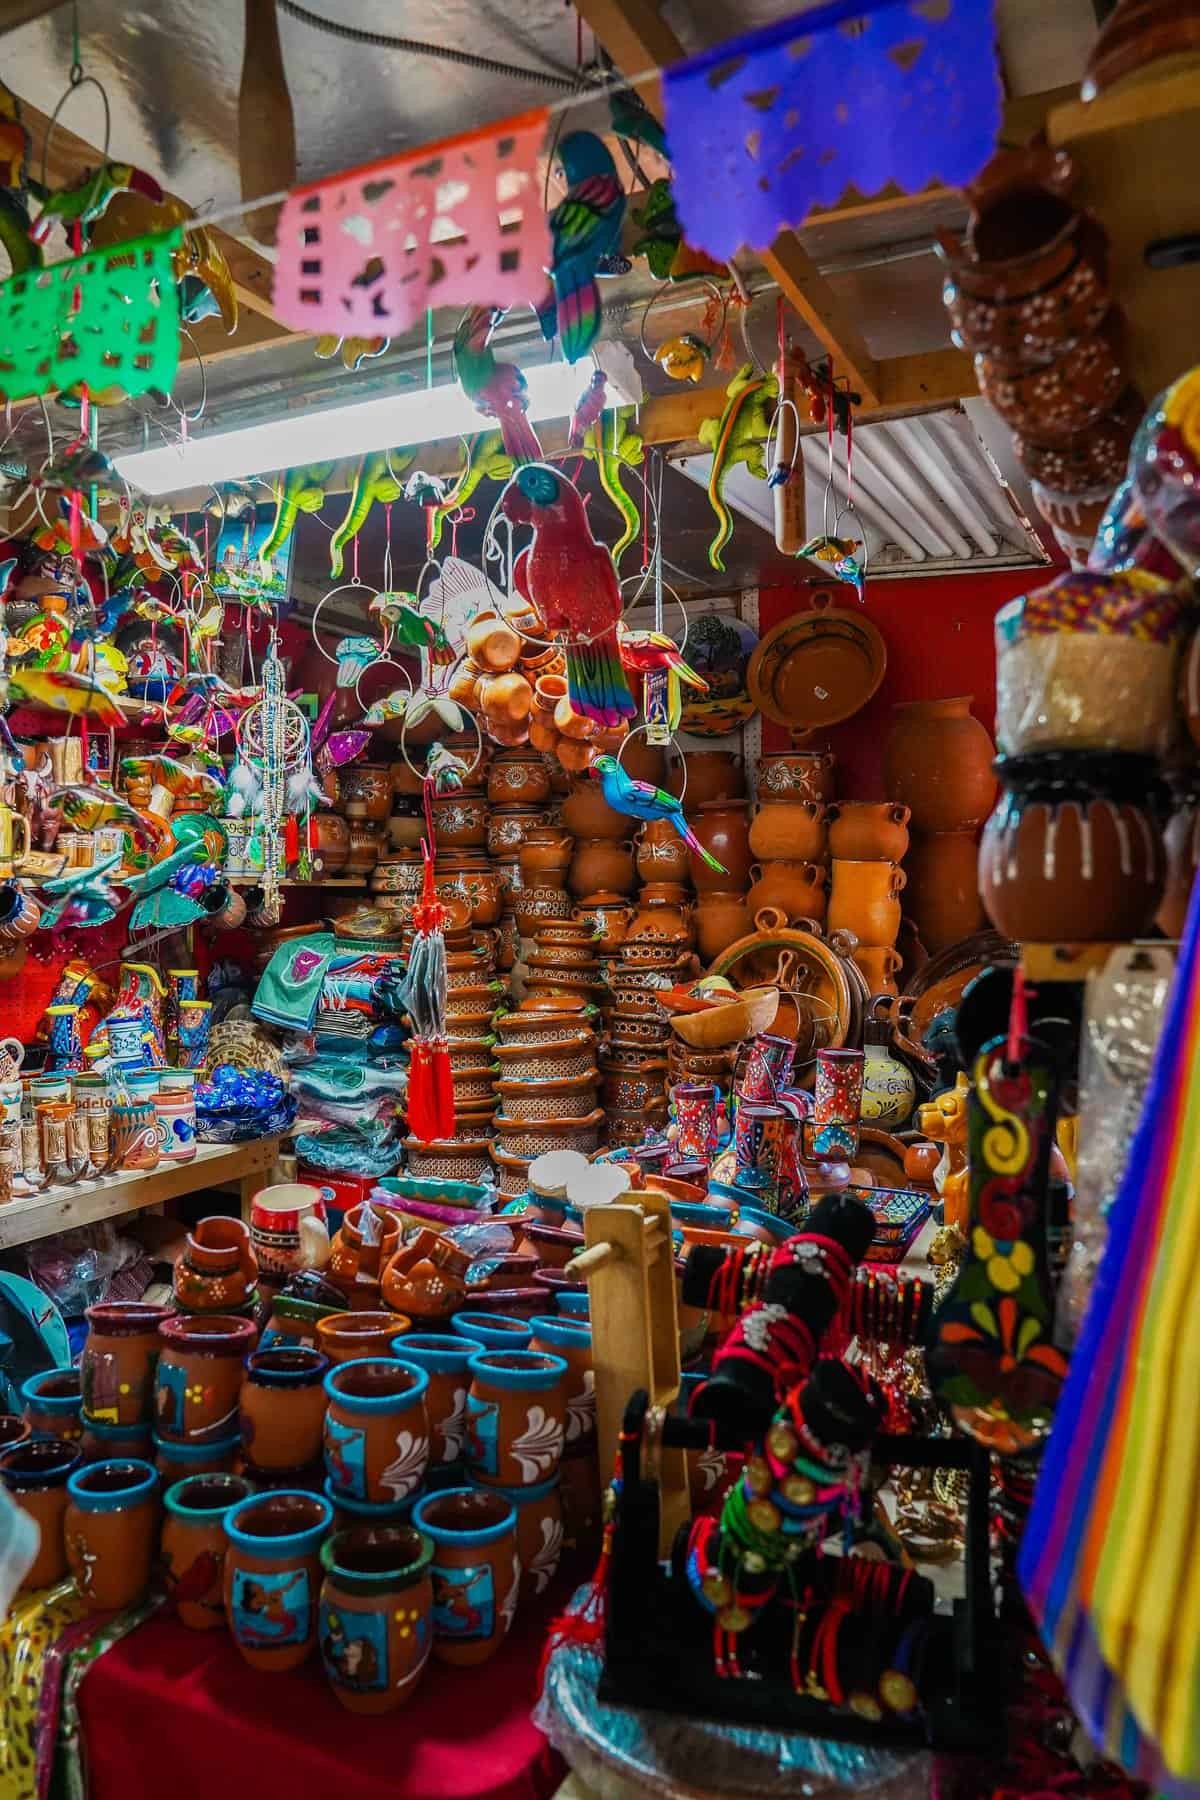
column 744, row 1017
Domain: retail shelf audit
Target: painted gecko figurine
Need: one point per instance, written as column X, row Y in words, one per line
column 487, row 458
column 737, row 436
column 302, row 490
column 379, row 477
column 614, row 445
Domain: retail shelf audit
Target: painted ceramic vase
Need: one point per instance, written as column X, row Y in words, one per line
column 938, row 763
column 347, row 1336
column 64, row 1045
column 273, row 1575
column 723, row 828
column 359, row 1252
column 110, row 1529
column 868, row 830
column 539, row 1532
column 175, row 1115
column 195, row 1028
column 516, row 1416
column 217, row 1270
column 476, row 1571
column 194, row 1543
column 889, row 1091
column 180, row 1462
column 376, row 1429
column 199, row 1375
column 281, row 1411
column 864, row 899
column 134, row 1135
column 376, row 1614
column 694, row 1105
column 760, row 1135
column 36, row 1474
column 722, row 917
column 53, row 1403
column 117, row 1366
column 493, row 1330
column 288, row 1230
column 554, row 1335
column 837, row 1103
column 444, row 1358
column 765, row 1068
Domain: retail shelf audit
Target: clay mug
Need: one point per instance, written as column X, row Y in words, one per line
column 14, row 839
column 272, row 1575
column 281, row 1408
column 217, row 1270
column 118, row 1361
column 863, row 831
column 789, row 829
column 35, row 1473
column 288, row 1230
column 445, row 1357
column 110, row 1529
column 864, row 899
column 516, row 1416
column 376, row 1429
column 571, row 1339
column 347, row 1336
column 53, row 1403
column 20, row 916
column 199, row 1375
column 376, row 1614
column 476, row 1571
column 539, row 1529
column 193, row 1545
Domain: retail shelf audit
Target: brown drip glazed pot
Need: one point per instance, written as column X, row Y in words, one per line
column 938, row 763
column 722, row 827
column 476, row 1571
column 109, row 1529
column 868, row 831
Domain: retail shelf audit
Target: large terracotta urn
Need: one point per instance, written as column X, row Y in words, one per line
column 599, row 863
column 705, row 775
column 585, row 813
column 721, row 919
column 794, row 888
column 938, row 763
column 790, row 829
column 865, row 898
column 942, row 895
column 723, row 829
column 662, row 854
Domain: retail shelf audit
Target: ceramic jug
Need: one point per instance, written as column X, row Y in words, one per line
column 864, row 899
column 791, row 829
column 867, row 831
column 796, row 889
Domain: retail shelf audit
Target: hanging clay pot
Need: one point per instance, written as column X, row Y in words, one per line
column 601, row 864
column 272, row 1576
column 586, row 813
column 721, row 918
column 476, row 1571
column 193, row 1545
column 942, row 895
column 492, row 643
column 376, row 1614
column 705, row 775
column 199, row 1375
column 867, row 831
column 938, row 763
column 796, row 889
column 110, row 1530
column 864, row 899
column 789, row 829
column 722, row 827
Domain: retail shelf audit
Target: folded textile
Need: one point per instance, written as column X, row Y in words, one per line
column 289, row 989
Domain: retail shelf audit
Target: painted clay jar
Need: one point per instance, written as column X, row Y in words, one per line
column 53, row 1402
column 662, row 854
column 477, row 884
column 609, row 915
column 796, row 889
column 347, row 1336
column 376, row 1429
column 1072, row 850
column 375, row 1619
column 518, row 778
column 516, row 1416
column 365, row 791
column 288, row 1230
column 791, row 829
column 217, row 1270
column 36, row 1474
column 476, row 1571
column 281, row 1412
column 273, row 1574
column 585, row 813
column 117, row 1366
column 1055, row 402
column 572, row 1340
column 601, row 864
column 663, row 910
column 722, row 827
column 797, row 775
column 493, row 1330
column 867, row 831
column 938, row 763
column 942, row 892
column 864, row 899
column 539, row 1532
column 705, row 775
column 110, row 1530
column 444, row 1356
column 721, row 918
column 193, row 1545
column 329, row 835
column 460, row 820
column 175, row 1117
column 545, row 850
column 101, row 1443
column 15, row 1428
column 359, row 1252
column 180, row 1462
column 199, row 1375
column 507, row 830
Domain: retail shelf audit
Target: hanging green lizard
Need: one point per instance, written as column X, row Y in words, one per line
column 614, row 445
column 485, row 456
column 301, row 490
column 378, row 478
column 737, row 436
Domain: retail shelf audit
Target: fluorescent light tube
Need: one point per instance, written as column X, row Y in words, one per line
column 411, row 416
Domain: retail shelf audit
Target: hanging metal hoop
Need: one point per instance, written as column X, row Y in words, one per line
column 193, row 418
column 674, row 287
column 68, row 92
column 384, row 662
column 645, row 578
column 671, row 744
column 420, row 773
column 781, row 407
column 343, row 587
column 295, row 747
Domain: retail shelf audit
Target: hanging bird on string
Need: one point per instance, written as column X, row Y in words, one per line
column 570, row 581
column 585, row 230
column 651, row 654
column 412, row 629
column 640, row 800
column 497, row 388
column 840, row 556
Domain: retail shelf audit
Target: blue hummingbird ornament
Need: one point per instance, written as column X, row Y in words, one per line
column 643, row 801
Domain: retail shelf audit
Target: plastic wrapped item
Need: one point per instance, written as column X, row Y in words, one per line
column 1089, row 663
column 1123, row 1017
column 1165, row 465
column 77, row 1268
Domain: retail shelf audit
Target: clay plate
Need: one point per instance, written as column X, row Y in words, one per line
column 817, row 668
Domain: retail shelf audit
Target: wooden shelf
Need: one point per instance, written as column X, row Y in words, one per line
column 335, row 881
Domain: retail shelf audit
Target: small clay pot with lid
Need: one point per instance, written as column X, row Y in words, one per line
column 109, row 1529
column 376, row 1429
column 272, row 1575
column 199, row 1375
column 53, row 1401
column 282, row 1411
column 476, row 1571
column 376, row 1614
column 117, row 1365
column 193, row 1545
column 36, row 1473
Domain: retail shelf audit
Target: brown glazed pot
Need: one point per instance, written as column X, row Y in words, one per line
column 663, row 910
column 507, row 830
column 791, row 830
column 330, row 837
column 272, row 1575
column 722, row 828
column 110, row 1528
column 586, row 813
column 609, row 915
column 460, row 820
column 721, row 918
column 376, row 1429
column 868, row 831
column 474, row 882
column 218, row 1268
column 366, row 842
column 938, row 763
column 545, row 850
column 516, row 1417
column 662, row 854
column 199, row 1375
column 864, row 899
column 117, row 1366
column 376, row 1614
column 601, row 864
column 282, row 1410
column 36, row 1473
column 711, row 775
column 942, row 895
column 798, row 775
column 476, row 1571
column 518, row 778
column 794, row 888
column 365, row 790
column 879, row 965
column 193, row 1545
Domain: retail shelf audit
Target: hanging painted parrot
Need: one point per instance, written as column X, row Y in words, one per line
column 642, row 801
column 572, row 585
column 412, row 629
column 497, row 388
column 80, row 204
column 585, row 230
column 650, row 653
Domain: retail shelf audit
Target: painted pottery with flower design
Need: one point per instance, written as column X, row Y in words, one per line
column 376, row 1429
column 661, row 854
column 516, row 1416
column 199, row 1375
column 217, row 1270
column 798, row 775
column 539, row 1532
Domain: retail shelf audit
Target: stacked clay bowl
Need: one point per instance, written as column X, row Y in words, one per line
column 548, row 1086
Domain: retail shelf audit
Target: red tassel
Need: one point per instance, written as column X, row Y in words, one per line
column 442, row 1085
column 422, row 1104
column 291, row 840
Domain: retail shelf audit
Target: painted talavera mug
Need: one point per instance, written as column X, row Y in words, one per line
column 288, row 1229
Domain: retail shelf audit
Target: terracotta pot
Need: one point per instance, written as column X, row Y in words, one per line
column 180, row 1462
column 110, row 1530
column 356, row 1259
column 879, row 965
column 1057, row 402
column 705, row 775
column 864, row 899
column 477, row 884
column 609, row 915
column 117, row 1366
column 571, row 1339
column 329, row 836
column 376, row 1429
column 798, row 775
column 53, row 1403
column 601, row 864
column 376, row 1614
column 942, row 896
column 272, row 1576
column 444, row 1358
column 662, row 854
column 476, row 1571
column 721, row 918
column 218, row 1268
column 548, row 690
column 539, row 1531
column 867, row 831
column 663, row 911
column 36, row 1474
column 492, row 643
column 365, row 792
column 282, row 1410
column 199, row 1375
column 1181, row 841
column 722, row 827
column 796, row 889
column 193, row 1545
column 366, row 842
column 938, row 763
column 545, row 850
column 586, row 813
column 507, row 830
column 791, row 829
column 460, row 821
column 517, row 778
column 516, row 1416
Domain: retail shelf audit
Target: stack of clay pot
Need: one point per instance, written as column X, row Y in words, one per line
column 562, row 733
column 564, row 961
column 712, row 787
column 496, row 678
column 474, row 991
column 789, row 836
column 635, row 1064
column 867, row 842
column 519, row 793
column 938, row 764
column 549, row 1080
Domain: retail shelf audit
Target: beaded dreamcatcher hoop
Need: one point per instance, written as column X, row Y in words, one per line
column 273, row 739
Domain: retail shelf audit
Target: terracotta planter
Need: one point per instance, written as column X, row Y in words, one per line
column 796, row 889
column 218, row 1268
column 356, row 1258
column 517, row 778
column 53, row 1403
column 376, row 1614
column 376, row 1429
column 586, row 813
column 798, row 775
column 476, row 1571
column 662, row 854
column 193, row 1545
column 722, row 827
column 721, row 918
column 282, row 1411
column 117, row 1366
column 199, row 1375
column 272, row 1576
column 444, row 1356
column 572, row 1340
column 36, row 1474
column 601, row 864
column 938, row 763
column 545, row 850
column 539, row 1532
column 664, row 910
column 866, row 831
column 864, row 899
column 789, row 829
column 516, row 1416
column 110, row 1529
column 710, row 775
column 942, row 896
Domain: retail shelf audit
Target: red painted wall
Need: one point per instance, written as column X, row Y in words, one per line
column 938, row 631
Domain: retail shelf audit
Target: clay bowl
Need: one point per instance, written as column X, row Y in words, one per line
column 534, row 1138
column 557, row 954
column 540, row 1026
column 554, row 1245
column 679, row 1193
column 470, row 1053
column 512, row 1172
column 753, row 1011
column 577, row 1005
column 472, row 1086
column 467, row 1026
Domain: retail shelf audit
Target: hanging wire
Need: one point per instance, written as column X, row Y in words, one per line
column 382, row 40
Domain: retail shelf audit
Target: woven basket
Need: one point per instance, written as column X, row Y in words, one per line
column 247, row 1045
